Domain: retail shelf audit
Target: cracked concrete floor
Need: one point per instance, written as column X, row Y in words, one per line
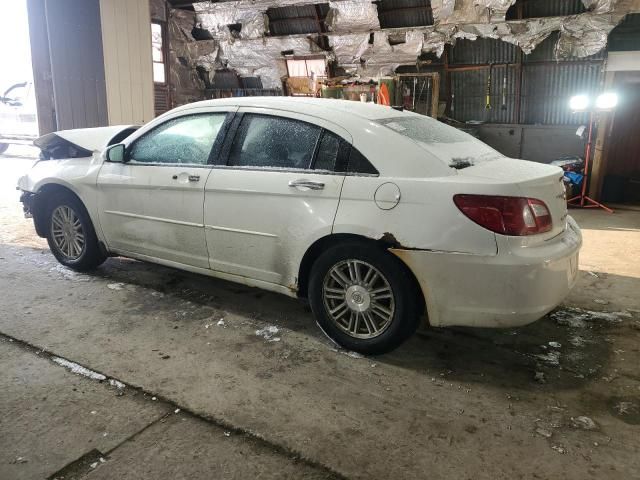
column 559, row 398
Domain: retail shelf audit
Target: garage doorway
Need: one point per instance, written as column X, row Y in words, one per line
column 622, row 170
column 18, row 119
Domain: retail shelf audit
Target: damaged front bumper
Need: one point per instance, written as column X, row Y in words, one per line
column 27, row 199
column 513, row 288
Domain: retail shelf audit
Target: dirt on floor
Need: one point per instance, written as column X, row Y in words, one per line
column 199, row 358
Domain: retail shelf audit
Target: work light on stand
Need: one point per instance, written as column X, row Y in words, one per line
column 605, row 102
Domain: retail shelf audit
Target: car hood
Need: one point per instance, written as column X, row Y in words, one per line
column 84, row 140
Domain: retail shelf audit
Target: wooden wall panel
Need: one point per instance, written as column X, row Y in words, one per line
column 126, row 38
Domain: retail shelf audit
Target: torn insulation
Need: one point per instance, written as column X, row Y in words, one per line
column 240, row 36
column 347, row 16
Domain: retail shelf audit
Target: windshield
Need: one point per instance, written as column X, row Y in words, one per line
column 454, row 147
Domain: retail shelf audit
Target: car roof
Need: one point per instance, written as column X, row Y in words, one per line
column 321, row 107
column 371, row 138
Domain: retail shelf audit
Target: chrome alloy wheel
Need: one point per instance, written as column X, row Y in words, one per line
column 67, row 232
column 358, row 299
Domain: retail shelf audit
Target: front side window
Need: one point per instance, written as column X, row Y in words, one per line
column 184, row 140
column 273, row 142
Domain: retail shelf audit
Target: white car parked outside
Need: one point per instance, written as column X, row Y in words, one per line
column 375, row 215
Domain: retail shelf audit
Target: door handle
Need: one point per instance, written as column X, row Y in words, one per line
column 194, row 178
column 311, row 185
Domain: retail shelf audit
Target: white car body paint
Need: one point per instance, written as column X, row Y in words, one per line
column 249, row 226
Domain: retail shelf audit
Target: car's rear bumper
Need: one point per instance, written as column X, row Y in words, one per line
column 513, row 288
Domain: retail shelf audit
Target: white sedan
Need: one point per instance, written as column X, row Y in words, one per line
column 376, row 216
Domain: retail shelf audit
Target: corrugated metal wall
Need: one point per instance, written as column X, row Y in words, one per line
column 547, row 88
column 126, row 38
column 626, row 36
column 297, row 19
column 482, row 51
column 470, row 89
column 404, row 13
column 77, row 65
column 551, row 8
column 547, row 84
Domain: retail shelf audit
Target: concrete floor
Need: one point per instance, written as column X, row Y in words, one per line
column 458, row 403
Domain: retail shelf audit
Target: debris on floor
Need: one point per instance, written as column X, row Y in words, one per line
column 352, row 354
column 543, row 432
column 539, row 377
column 578, row 318
column 551, row 358
column 79, row 369
column 115, row 383
column 558, row 448
column 69, row 274
column 583, row 422
column 626, row 409
column 115, row 286
column 269, row 333
column 577, row 341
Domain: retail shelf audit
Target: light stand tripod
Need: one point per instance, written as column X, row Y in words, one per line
column 582, row 200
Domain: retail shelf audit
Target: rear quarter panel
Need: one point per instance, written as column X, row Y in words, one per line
column 425, row 217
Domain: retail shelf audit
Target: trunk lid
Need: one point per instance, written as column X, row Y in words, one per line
column 533, row 180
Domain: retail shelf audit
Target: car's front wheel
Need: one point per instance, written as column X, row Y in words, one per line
column 70, row 234
column 364, row 298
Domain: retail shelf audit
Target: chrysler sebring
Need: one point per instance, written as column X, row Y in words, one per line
column 378, row 217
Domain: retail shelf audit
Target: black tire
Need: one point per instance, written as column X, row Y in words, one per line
column 406, row 297
column 91, row 256
column 3, row 147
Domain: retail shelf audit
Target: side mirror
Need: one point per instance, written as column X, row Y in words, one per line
column 115, row 153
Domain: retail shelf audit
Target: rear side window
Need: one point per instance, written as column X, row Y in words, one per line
column 425, row 129
column 273, row 142
column 458, row 149
column 183, row 140
column 358, row 163
column 328, row 149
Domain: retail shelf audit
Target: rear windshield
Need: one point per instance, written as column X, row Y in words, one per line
column 454, row 147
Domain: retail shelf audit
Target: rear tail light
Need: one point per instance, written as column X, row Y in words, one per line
column 506, row 215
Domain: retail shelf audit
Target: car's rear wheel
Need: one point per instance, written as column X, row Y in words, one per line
column 70, row 234
column 364, row 298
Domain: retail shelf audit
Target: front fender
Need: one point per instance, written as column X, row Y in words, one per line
column 77, row 175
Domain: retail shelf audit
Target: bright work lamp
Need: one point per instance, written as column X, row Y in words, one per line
column 607, row 101
column 582, row 103
column 579, row 103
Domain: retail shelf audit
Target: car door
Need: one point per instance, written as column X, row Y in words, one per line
column 268, row 203
column 152, row 204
